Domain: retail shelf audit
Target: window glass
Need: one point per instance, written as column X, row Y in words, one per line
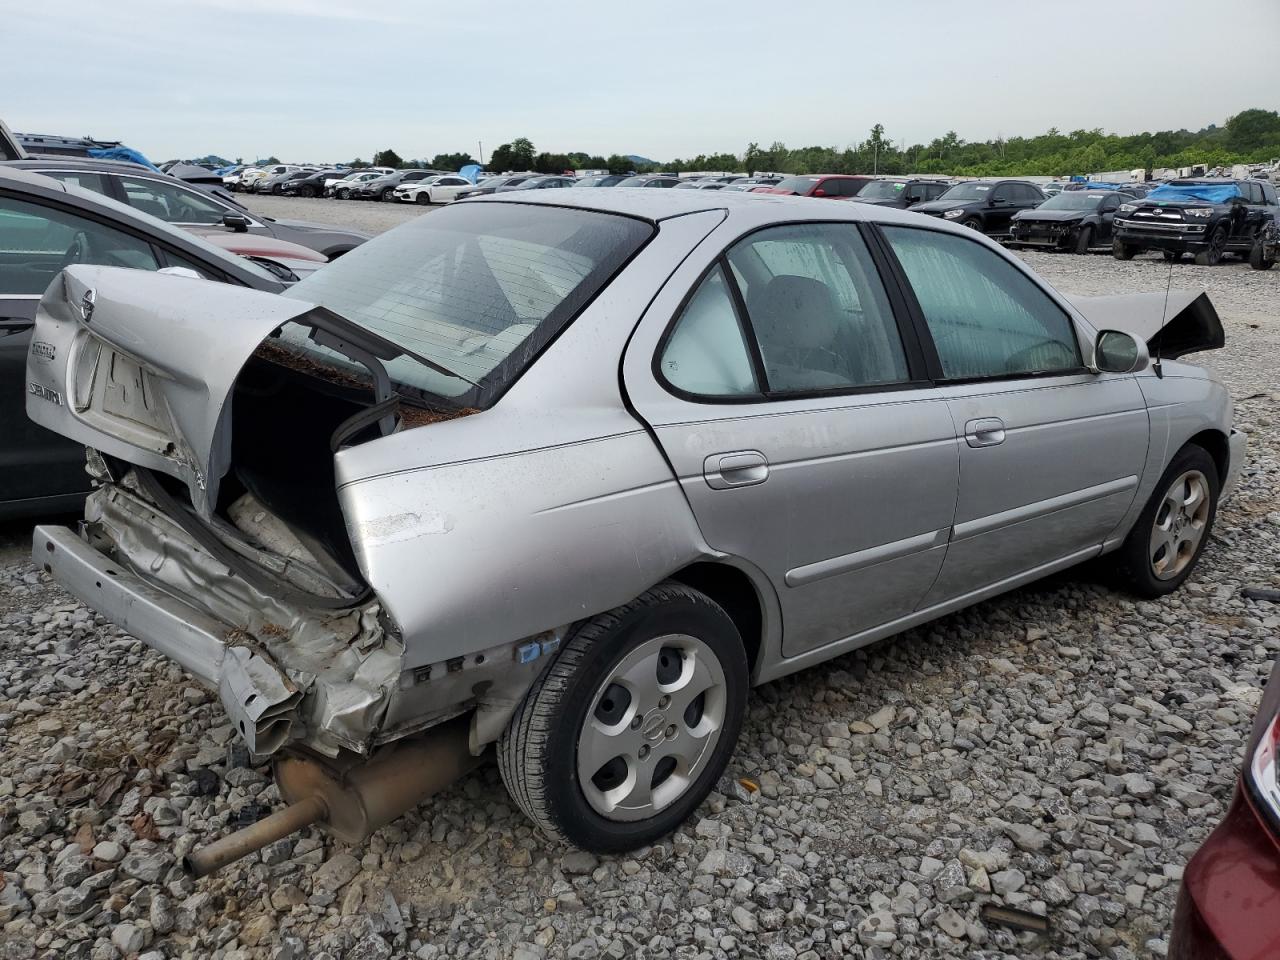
column 987, row 318
column 1002, row 193
column 1269, row 193
column 706, row 353
column 89, row 181
column 38, row 241
column 818, row 309
column 170, row 202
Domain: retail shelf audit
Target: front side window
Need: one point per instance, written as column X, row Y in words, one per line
column 36, row 242
column 476, row 288
column 170, row 202
column 706, row 353
column 89, row 181
column 986, row 317
column 817, row 309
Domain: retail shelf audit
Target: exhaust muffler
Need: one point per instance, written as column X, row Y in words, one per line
column 351, row 801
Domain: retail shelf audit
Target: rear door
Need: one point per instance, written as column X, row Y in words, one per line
column 790, row 402
column 1050, row 454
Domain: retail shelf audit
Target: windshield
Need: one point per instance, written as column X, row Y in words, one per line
column 479, row 288
column 882, row 190
column 1073, row 200
column 967, row 191
column 1204, row 192
column 633, row 181
column 797, row 184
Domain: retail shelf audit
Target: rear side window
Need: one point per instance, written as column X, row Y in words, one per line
column 707, row 353
column 817, row 309
column 89, row 181
column 986, row 318
column 36, row 242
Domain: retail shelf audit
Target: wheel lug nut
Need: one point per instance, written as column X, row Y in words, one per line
column 671, row 731
column 664, row 702
column 644, row 751
column 635, row 722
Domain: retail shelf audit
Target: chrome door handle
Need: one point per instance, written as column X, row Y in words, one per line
column 987, row 432
column 743, row 468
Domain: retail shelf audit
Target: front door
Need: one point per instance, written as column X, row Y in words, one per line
column 795, row 415
column 1050, row 454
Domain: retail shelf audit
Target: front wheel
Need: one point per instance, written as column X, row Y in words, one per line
column 424, row 198
column 1122, row 251
column 307, row 191
column 1217, row 246
column 1083, row 238
column 343, row 194
column 973, row 223
column 1258, row 258
column 621, row 738
column 386, row 194
column 1171, row 532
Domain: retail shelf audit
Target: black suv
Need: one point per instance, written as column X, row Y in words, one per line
column 984, row 205
column 1205, row 216
column 901, row 192
column 1075, row 220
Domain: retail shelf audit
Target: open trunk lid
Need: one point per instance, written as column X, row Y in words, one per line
column 141, row 366
column 1172, row 324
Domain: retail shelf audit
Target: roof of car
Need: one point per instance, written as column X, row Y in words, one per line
column 83, row 163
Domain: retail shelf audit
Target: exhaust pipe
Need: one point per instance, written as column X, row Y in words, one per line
column 351, row 801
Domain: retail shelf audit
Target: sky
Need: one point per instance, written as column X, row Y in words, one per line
column 332, row 80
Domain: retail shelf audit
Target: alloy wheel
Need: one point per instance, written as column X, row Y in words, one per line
column 1180, row 524
column 652, row 728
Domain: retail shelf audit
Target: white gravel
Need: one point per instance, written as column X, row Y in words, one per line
column 1062, row 749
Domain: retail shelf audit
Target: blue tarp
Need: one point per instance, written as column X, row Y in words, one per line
column 121, row 153
column 471, row 171
column 1204, row 192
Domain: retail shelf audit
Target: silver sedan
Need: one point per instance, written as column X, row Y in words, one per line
column 569, row 471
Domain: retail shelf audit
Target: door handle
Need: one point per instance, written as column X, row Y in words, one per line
column 743, row 468
column 987, row 432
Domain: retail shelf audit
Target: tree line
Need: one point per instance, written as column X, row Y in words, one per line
column 1251, row 136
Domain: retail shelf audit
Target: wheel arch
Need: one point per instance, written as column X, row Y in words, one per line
column 740, row 597
column 1215, row 443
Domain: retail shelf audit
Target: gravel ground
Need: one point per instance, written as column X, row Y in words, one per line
column 1062, row 749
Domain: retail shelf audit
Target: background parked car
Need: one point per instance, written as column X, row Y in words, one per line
column 834, row 186
column 343, row 187
column 987, row 206
column 275, row 185
column 1074, row 220
column 45, row 225
column 604, row 180
column 175, row 202
column 540, row 183
column 440, row 189
column 902, row 193
column 491, row 185
column 384, row 188
column 649, row 180
column 1205, row 217
column 251, row 177
column 701, row 185
column 310, row 185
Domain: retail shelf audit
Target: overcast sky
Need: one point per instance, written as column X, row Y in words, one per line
column 336, row 79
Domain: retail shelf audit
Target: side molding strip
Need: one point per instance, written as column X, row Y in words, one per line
column 835, row 566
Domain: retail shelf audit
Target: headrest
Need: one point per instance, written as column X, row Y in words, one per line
column 795, row 311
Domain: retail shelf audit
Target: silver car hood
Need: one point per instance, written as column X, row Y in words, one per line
column 1172, row 324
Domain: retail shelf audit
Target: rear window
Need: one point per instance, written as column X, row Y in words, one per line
column 479, row 288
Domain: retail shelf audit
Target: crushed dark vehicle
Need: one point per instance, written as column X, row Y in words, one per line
column 1204, row 217
column 1074, row 220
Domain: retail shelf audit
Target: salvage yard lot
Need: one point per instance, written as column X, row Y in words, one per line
column 1061, row 749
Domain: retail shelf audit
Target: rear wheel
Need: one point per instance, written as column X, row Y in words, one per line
column 1122, row 251
column 1217, row 246
column 1084, row 237
column 1258, row 256
column 1170, row 534
column 631, row 726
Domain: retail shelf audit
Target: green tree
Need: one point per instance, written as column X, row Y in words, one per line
column 619, row 164
column 522, row 153
column 451, row 161
column 387, row 158
column 1251, row 129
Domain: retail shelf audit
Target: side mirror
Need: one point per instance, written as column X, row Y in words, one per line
column 1118, row 352
column 236, row 221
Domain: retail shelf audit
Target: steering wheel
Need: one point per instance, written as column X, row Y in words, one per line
column 78, row 252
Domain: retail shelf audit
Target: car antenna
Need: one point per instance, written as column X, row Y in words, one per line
column 1164, row 319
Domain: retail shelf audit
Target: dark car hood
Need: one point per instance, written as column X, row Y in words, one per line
column 1056, row 216
column 307, row 226
column 941, row 206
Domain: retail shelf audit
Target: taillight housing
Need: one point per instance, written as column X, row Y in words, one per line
column 1262, row 758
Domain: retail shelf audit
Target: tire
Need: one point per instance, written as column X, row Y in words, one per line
column 1257, row 258
column 386, row 194
column 424, row 198
column 1084, row 236
column 973, row 223
column 1122, row 251
column 343, row 194
column 1217, row 246
column 307, row 191
column 1136, row 561
column 542, row 749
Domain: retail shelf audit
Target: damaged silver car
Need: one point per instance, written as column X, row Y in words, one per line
column 569, row 474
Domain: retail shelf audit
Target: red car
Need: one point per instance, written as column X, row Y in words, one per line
column 833, row 186
column 1229, row 905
